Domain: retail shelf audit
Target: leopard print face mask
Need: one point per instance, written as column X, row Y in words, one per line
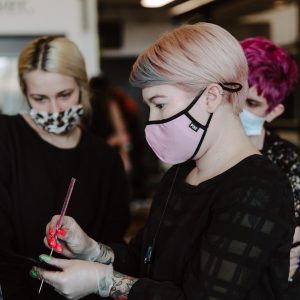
column 58, row 122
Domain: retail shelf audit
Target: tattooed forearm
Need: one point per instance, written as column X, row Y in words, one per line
column 121, row 286
column 106, row 255
column 101, row 253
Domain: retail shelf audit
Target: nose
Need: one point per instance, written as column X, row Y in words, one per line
column 152, row 115
column 53, row 106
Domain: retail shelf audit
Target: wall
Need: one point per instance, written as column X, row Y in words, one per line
column 138, row 36
column 22, row 20
column 140, row 28
column 284, row 23
column 77, row 19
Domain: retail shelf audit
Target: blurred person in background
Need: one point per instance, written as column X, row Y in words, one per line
column 272, row 77
column 117, row 119
column 41, row 151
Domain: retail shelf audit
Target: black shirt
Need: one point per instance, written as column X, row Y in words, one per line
column 287, row 157
column 34, row 178
column 227, row 238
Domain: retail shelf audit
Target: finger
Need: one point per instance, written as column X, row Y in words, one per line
column 52, row 242
column 65, row 230
column 293, row 255
column 47, row 230
column 58, row 262
column 50, row 277
column 292, row 271
column 58, row 248
column 46, row 242
column 53, row 222
column 51, row 227
column 294, row 261
column 61, row 232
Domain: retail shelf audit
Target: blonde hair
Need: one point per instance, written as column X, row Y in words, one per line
column 55, row 55
column 194, row 56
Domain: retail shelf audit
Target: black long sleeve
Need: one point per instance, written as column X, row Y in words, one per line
column 287, row 157
column 227, row 238
column 34, row 177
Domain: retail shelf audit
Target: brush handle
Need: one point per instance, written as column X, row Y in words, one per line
column 66, row 202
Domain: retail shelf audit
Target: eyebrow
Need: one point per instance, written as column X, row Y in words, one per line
column 58, row 93
column 258, row 101
column 151, row 99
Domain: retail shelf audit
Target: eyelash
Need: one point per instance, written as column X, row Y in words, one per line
column 159, row 106
column 39, row 99
column 61, row 96
column 65, row 95
column 251, row 103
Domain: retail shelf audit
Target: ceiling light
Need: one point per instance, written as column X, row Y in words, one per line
column 155, row 3
column 188, row 6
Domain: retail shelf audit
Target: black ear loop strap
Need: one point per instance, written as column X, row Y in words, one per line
column 231, row 86
column 150, row 249
column 236, row 88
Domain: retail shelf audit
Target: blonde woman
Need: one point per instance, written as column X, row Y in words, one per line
column 41, row 151
column 221, row 221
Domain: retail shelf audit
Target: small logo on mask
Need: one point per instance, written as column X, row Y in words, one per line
column 194, row 126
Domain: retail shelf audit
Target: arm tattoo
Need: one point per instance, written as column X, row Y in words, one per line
column 104, row 254
column 121, row 286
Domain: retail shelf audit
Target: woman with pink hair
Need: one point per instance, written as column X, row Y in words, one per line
column 272, row 77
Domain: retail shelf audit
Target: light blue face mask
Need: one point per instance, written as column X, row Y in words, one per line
column 252, row 123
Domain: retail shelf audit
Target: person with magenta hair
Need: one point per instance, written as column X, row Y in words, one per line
column 272, row 77
column 216, row 230
column 40, row 151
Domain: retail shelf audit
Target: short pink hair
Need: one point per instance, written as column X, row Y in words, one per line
column 271, row 70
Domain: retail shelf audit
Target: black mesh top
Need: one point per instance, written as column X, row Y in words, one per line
column 287, row 157
column 227, row 238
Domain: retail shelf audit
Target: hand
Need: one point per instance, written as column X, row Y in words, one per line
column 71, row 241
column 294, row 261
column 78, row 278
column 294, row 254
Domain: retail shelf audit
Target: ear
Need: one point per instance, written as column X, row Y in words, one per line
column 275, row 112
column 214, row 97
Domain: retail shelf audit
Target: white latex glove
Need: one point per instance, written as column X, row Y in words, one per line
column 294, row 254
column 78, row 278
column 294, row 262
column 71, row 241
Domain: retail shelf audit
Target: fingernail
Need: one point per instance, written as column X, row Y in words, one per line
column 51, row 232
column 58, row 248
column 51, row 242
column 33, row 273
column 290, row 279
column 61, row 232
column 45, row 258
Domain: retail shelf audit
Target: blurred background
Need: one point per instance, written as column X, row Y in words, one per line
column 111, row 34
column 126, row 28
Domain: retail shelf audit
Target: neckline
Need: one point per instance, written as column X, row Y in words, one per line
column 37, row 137
column 189, row 187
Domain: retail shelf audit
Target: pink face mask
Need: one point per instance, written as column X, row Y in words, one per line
column 178, row 138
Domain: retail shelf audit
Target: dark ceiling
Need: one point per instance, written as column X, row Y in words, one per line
column 220, row 9
column 225, row 13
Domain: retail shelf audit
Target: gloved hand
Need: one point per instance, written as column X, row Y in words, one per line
column 294, row 254
column 78, row 278
column 294, row 261
column 71, row 241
